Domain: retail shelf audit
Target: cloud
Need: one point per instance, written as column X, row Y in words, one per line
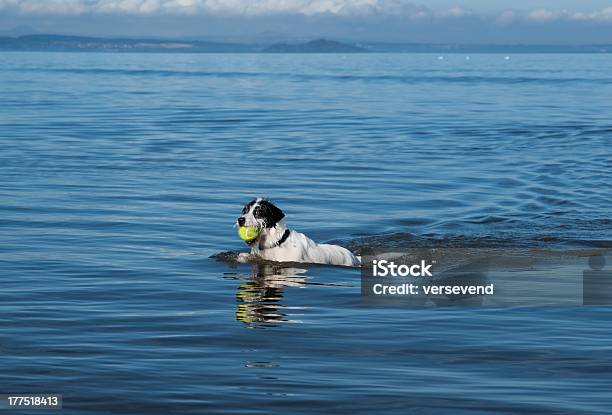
column 604, row 15
column 457, row 12
column 400, row 9
column 545, row 16
column 507, row 17
column 215, row 7
column 45, row 7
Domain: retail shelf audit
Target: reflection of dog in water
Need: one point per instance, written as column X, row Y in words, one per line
column 597, row 282
column 259, row 299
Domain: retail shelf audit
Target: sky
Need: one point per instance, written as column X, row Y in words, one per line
column 433, row 21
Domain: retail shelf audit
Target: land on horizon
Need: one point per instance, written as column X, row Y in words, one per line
column 72, row 43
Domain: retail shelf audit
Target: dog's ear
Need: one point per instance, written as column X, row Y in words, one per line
column 247, row 207
column 271, row 213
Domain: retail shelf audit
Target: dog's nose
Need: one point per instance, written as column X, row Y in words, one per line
column 241, row 221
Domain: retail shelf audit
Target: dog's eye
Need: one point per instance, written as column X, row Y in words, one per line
column 257, row 211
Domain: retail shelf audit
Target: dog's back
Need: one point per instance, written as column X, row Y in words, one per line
column 337, row 255
column 299, row 248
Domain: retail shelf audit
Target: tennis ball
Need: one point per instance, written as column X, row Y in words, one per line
column 248, row 233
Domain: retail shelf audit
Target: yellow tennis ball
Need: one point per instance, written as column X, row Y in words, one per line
column 248, row 233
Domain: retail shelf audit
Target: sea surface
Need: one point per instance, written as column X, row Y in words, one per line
column 122, row 174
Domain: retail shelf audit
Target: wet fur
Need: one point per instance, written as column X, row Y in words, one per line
column 296, row 248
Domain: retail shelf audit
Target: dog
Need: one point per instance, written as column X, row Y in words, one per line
column 276, row 242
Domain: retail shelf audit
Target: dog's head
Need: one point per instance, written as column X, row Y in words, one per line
column 261, row 213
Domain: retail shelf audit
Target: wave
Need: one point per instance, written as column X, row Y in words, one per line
column 404, row 240
column 407, row 79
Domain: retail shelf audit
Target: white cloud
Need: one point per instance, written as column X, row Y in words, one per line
column 604, row 15
column 507, row 17
column 407, row 9
column 227, row 7
column 457, row 12
column 44, row 7
column 545, row 15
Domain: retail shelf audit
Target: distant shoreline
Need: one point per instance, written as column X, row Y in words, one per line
column 62, row 43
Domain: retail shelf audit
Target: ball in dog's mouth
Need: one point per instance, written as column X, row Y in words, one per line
column 248, row 234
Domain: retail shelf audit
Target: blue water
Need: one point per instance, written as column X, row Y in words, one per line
column 123, row 173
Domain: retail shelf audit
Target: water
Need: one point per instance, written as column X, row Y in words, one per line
column 122, row 174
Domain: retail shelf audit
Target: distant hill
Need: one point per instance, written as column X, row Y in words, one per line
column 314, row 46
column 61, row 43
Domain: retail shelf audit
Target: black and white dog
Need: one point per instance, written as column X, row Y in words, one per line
column 276, row 242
